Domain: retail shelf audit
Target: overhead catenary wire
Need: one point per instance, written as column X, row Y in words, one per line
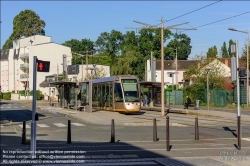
column 220, row 20
column 192, row 11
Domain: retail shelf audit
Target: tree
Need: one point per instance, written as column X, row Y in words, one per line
column 150, row 40
column 212, row 52
column 224, row 51
column 182, row 43
column 99, row 73
column 80, row 47
column 198, row 77
column 110, row 44
column 26, row 23
column 229, row 48
column 243, row 58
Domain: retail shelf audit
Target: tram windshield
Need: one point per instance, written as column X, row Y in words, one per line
column 130, row 88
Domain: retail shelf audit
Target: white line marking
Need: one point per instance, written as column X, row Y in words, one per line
column 59, row 124
column 27, row 126
column 77, row 124
column 42, row 125
column 1, row 126
column 8, row 107
column 246, row 139
column 23, row 106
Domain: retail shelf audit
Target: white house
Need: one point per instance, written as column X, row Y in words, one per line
column 17, row 63
column 169, row 67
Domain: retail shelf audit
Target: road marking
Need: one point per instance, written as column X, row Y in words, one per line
column 8, row 107
column 2, row 107
column 177, row 124
column 59, row 124
column 246, row 139
column 27, row 126
column 1, row 126
column 78, row 124
column 42, row 125
column 23, row 106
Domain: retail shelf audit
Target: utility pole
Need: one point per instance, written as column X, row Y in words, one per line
column 57, row 72
column 162, row 51
column 247, row 69
column 176, row 70
column 87, row 55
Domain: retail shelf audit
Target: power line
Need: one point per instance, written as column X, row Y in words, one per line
column 192, row 11
column 221, row 20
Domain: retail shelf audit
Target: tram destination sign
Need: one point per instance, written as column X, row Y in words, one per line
column 129, row 81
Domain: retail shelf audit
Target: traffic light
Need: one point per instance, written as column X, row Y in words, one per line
column 43, row 66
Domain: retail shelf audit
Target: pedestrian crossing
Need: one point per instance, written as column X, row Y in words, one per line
column 8, row 106
column 54, row 124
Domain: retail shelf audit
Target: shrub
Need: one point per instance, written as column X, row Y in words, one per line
column 6, row 95
column 38, row 94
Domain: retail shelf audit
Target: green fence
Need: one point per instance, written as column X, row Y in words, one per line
column 242, row 95
column 220, row 97
column 178, row 97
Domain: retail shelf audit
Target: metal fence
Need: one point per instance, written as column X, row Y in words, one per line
column 220, row 97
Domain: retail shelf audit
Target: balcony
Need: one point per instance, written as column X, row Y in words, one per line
column 24, row 56
column 24, row 66
column 22, row 76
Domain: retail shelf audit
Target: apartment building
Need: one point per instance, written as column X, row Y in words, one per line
column 17, row 63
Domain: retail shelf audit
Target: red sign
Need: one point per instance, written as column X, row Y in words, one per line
column 43, row 66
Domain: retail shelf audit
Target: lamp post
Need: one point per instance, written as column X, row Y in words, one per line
column 208, row 69
column 247, row 45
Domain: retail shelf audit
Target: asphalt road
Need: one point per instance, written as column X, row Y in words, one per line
column 133, row 144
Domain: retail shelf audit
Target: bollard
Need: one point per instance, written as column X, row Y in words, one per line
column 24, row 133
column 69, row 133
column 239, row 135
column 167, row 133
column 36, row 117
column 154, row 131
column 196, row 129
column 112, row 131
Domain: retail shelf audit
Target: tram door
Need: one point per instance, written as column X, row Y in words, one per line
column 105, row 101
column 110, row 98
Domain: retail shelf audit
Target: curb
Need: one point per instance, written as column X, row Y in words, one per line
column 52, row 111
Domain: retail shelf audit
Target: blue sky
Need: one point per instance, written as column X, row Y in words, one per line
column 67, row 20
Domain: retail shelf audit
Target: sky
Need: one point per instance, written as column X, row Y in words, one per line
column 66, row 20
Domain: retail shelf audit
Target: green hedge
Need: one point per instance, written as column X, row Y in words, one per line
column 5, row 95
column 38, row 94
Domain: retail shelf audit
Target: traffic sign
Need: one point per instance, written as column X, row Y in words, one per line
column 43, row 66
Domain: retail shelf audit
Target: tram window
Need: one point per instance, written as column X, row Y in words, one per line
column 118, row 93
column 130, row 88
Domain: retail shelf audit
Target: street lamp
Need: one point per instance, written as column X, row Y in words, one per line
column 247, row 45
column 208, row 69
column 208, row 94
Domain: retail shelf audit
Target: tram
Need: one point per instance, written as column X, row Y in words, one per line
column 117, row 93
